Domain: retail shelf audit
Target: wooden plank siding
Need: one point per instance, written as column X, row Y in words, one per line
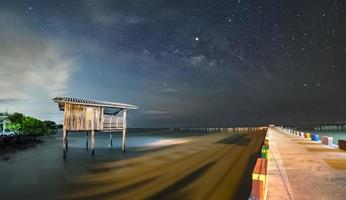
column 83, row 118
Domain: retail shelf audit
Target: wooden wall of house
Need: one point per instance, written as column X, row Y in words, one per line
column 80, row 118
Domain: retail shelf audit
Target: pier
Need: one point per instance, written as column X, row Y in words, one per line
column 299, row 168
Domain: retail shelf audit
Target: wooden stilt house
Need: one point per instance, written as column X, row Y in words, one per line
column 89, row 116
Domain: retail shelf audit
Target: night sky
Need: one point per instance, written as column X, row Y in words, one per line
column 184, row 63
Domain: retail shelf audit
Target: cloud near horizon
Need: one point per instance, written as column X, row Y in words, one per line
column 30, row 64
column 156, row 112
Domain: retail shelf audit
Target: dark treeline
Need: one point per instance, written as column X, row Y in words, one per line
column 22, row 132
column 26, row 125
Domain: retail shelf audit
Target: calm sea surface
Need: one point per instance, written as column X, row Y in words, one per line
column 42, row 173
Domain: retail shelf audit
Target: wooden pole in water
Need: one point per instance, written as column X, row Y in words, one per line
column 86, row 141
column 64, row 136
column 92, row 137
column 110, row 132
column 64, row 139
column 92, row 142
column 124, row 131
column 111, row 139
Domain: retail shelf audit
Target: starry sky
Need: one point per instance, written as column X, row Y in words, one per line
column 208, row 63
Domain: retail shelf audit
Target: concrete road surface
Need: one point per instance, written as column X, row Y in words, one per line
column 303, row 169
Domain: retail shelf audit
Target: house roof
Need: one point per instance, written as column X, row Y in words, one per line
column 106, row 104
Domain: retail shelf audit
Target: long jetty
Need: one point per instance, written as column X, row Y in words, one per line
column 303, row 166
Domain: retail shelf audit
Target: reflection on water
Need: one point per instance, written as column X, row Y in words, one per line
column 153, row 165
column 78, row 140
column 42, row 172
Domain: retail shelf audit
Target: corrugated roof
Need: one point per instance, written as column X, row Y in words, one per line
column 62, row 100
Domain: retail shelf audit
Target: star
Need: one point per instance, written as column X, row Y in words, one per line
column 204, row 46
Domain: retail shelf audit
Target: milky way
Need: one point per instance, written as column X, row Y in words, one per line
column 184, row 63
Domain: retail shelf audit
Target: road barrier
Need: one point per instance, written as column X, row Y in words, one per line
column 266, row 142
column 257, row 192
column 342, row 144
column 218, row 130
column 260, row 174
column 327, row 140
column 307, row 135
column 265, row 151
column 315, row 137
column 260, row 180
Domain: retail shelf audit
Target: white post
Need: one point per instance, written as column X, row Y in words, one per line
column 3, row 127
column 124, row 131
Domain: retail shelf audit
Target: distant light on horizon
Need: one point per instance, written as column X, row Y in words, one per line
column 167, row 142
